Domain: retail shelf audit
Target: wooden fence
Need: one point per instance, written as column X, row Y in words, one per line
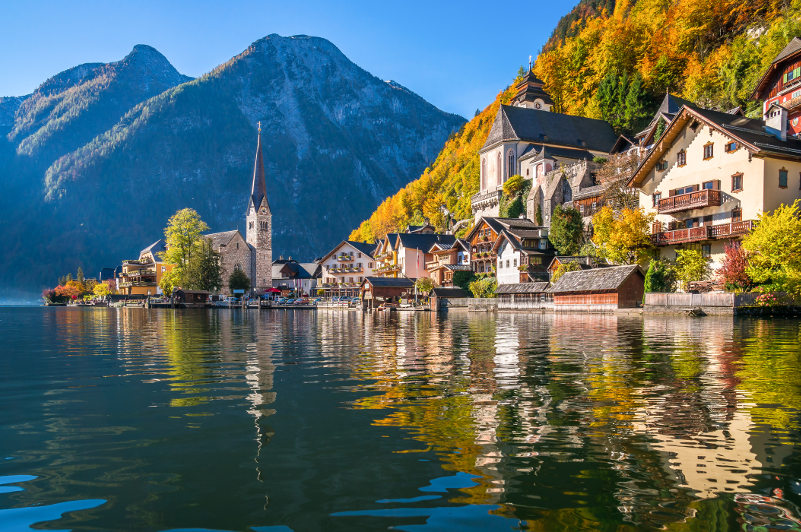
column 710, row 299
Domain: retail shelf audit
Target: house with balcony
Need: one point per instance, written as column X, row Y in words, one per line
column 345, row 267
column 406, row 254
column 523, row 243
column 711, row 174
column 447, row 259
column 143, row 275
column 780, row 86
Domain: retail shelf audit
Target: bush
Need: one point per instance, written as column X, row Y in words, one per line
column 484, row 287
column 238, row 280
column 733, row 273
column 424, row 285
column 463, row 279
column 567, row 230
column 691, row 265
column 660, row 277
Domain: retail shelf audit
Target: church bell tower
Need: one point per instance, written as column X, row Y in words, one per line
column 259, row 234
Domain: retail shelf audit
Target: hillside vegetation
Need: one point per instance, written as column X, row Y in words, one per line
column 614, row 61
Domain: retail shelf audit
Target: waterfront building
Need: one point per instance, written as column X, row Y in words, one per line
column 516, row 249
column 529, row 140
column 298, row 277
column 448, row 258
column 780, row 86
column 344, row 268
column 406, row 254
column 609, row 288
column 711, row 175
column 377, row 290
column 143, row 275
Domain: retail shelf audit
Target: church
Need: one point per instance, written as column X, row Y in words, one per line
column 555, row 151
column 253, row 252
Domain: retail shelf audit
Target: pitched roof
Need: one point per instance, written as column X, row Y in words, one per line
column 750, row 131
column 424, row 241
column 792, row 48
column 531, row 88
column 313, row 269
column 667, row 111
column 159, row 246
column 594, row 280
column 452, row 293
column 258, row 188
column 522, row 288
column 558, row 154
column 363, row 247
column 390, row 282
column 499, row 224
column 222, row 238
column 545, row 127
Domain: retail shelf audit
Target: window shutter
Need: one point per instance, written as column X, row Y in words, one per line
column 717, row 184
column 785, row 77
column 696, row 188
column 796, row 72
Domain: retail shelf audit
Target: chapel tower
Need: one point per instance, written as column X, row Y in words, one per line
column 260, row 226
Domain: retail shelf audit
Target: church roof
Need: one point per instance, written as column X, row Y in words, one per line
column 530, row 88
column 543, row 127
column 258, row 189
column 558, row 154
column 222, row 238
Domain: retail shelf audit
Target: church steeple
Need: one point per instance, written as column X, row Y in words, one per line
column 531, row 94
column 258, row 190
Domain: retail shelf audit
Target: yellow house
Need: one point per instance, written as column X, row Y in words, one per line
column 710, row 175
column 143, row 275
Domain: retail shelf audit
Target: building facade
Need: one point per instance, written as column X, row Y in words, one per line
column 344, row 268
column 259, row 220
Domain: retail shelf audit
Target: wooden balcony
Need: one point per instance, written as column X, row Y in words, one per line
column 694, row 200
column 706, row 232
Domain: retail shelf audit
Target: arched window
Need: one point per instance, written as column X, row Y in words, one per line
column 498, row 170
column 510, row 164
column 484, row 173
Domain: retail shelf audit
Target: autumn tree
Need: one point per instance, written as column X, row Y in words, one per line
column 774, row 250
column 183, row 234
column 691, row 265
column 424, row 285
column 101, row 290
column 563, row 268
column 733, row 271
column 623, row 237
column 567, row 230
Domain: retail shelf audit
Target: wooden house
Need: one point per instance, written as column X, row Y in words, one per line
column 600, row 288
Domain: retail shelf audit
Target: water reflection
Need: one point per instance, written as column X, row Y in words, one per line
column 337, row 420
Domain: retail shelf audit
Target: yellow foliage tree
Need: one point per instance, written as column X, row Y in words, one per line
column 774, row 250
column 623, row 237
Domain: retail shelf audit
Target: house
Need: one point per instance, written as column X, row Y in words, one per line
column 529, row 140
column 143, row 275
column 406, row 254
column 377, row 290
column 441, row 296
column 520, row 241
column 599, row 288
column 780, row 85
column 448, row 258
column 712, row 174
column 291, row 275
column 345, row 267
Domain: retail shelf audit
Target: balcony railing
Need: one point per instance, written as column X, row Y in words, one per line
column 707, row 232
column 694, row 200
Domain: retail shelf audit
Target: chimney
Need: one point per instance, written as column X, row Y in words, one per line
column 776, row 121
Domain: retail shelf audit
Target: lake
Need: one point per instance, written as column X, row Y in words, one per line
column 134, row 419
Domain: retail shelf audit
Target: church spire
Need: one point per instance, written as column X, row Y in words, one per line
column 258, row 190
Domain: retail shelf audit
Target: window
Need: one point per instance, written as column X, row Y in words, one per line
column 711, row 185
column 783, row 178
column 359, row 255
column 250, row 225
column 708, row 150
column 732, row 146
column 515, row 263
column 684, row 190
column 736, row 214
column 543, row 244
column 535, row 260
column 690, row 223
column 510, row 164
column 706, row 250
column 369, row 264
column 507, row 263
column 662, row 165
column 681, row 158
column 793, row 74
column 656, row 197
column 737, row 183
column 708, row 219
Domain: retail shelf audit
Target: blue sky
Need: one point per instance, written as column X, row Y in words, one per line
column 457, row 55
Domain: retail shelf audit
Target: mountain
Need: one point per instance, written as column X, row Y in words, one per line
column 614, row 60
column 104, row 154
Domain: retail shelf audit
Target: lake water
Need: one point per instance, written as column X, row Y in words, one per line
column 137, row 419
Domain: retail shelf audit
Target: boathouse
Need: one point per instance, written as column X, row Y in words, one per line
column 377, row 290
column 599, row 289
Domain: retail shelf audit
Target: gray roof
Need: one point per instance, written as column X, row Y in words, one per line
column 159, row 246
column 668, row 110
column 791, row 48
column 258, row 188
column 313, row 269
column 594, row 280
column 533, row 125
column 522, row 288
column 424, row 241
column 558, row 154
column 222, row 238
column 390, row 282
column 589, row 192
column 452, row 293
column 498, row 225
column 751, row 130
column 363, row 247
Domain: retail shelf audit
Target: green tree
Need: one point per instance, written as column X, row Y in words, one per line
column 424, row 285
column 564, row 268
column 462, row 279
column 484, row 287
column 691, row 265
column 79, row 275
column 238, row 280
column 660, row 277
column 567, row 230
column 203, row 272
column 774, row 250
column 169, row 281
column 183, row 234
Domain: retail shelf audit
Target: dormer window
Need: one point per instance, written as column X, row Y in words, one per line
column 681, row 158
column 708, row 150
column 732, row 146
